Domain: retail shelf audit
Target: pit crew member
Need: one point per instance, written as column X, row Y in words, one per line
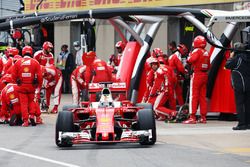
column 115, row 59
column 175, row 63
column 160, row 91
column 200, row 63
column 27, row 74
column 44, row 56
column 52, row 83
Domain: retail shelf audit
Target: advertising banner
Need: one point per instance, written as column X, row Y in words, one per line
column 76, row 5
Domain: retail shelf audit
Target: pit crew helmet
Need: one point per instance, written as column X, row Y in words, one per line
column 120, row 44
column 16, row 57
column 88, row 58
column 157, row 52
column 47, row 45
column 182, row 49
column 27, row 50
column 7, row 79
column 199, row 42
column 12, row 51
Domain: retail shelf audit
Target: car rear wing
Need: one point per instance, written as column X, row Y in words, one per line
column 117, row 87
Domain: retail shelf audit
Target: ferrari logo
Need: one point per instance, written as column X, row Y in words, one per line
column 12, row 96
column 26, row 69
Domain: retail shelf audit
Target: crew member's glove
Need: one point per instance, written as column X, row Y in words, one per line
column 35, row 82
column 84, row 84
column 93, row 73
column 10, row 106
column 37, row 98
column 153, row 95
column 18, row 81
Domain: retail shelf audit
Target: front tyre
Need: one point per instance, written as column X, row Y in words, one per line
column 64, row 123
column 146, row 121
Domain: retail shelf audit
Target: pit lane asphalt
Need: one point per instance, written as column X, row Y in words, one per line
column 213, row 144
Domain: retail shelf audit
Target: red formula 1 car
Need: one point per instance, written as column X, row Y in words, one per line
column 106, row 121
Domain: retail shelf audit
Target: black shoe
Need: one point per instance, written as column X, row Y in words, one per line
column 13, row 120
column 32, row 121
column 240, row 127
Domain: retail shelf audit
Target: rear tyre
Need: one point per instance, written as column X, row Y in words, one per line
column 146, row 121
column 64, row 123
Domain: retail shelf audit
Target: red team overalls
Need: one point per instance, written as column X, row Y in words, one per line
column 200, row 63
column 28, row 76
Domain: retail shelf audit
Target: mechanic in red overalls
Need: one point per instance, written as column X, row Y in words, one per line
column 10, row 102
column 175, row 63
column 171, row 84
column 154, row 64
column 115, row 60
column 28, row 76
column 4, row 115
column 12, row 51
column 100, row 73
column 44, row 56
column 52, row 83
column 200, row 63
column 157, row 52
column 81, row 76
column 1, row 67
column 14, row 60
column 160, row 90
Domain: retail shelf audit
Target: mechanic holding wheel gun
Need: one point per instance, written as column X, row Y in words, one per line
column 200, row 64
column 28, row 76
column 160, row 91
column 157, row 52
column 175, row 63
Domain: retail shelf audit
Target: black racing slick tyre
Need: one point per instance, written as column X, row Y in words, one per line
column 145, row 105
column 71, row 106
column 64, row 123
column 146, row 121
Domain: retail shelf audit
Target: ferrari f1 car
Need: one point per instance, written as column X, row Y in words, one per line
column 106, row 121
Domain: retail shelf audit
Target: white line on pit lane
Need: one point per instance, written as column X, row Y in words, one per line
column 37, row 157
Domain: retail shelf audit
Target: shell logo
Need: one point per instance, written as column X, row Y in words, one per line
column 26, row 69
column 12, row 96
column 105, row 120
